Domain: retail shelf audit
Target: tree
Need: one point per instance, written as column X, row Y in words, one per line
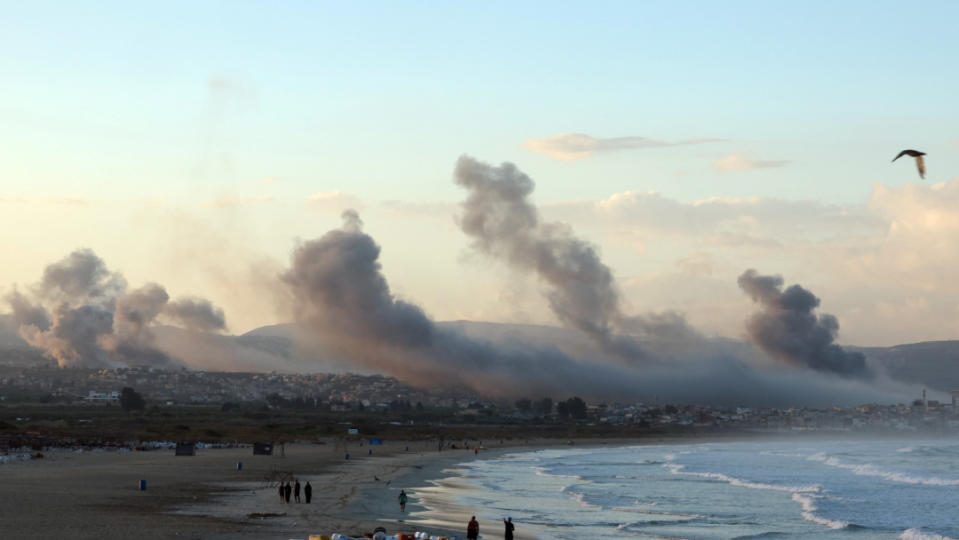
column 562, row 409
column 131, row 400
column 524, row 405
column 544, row 406
column 576, row 407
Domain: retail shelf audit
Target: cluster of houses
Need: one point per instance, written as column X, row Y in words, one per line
column 348, row 393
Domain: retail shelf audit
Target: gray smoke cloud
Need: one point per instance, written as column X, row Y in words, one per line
column 787, row 329
column 136, row 310
column 503, row 224
column 94, row 321
column 25, row 312
column 81, row 277
column 196, row 314
column 74, row 337
column 341, row 298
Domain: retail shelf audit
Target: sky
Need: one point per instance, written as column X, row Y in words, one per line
column 198, row 144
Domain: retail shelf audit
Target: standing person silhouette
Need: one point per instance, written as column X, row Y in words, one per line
column 402, row 498
column 296, row 491
column 508, row 534
column 472, row 529
column 280, row 489
column 308, row 491
column 287, row 490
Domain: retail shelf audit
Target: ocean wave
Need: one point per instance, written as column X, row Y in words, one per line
column 905, row 450
column 918, row 534
column 872, row 470
column 809, row 513
column 658, row 512
column 678, row 469
column 580, row 498
column 541, row 471
column 782, row 454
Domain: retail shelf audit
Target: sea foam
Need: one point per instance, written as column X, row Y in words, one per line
column 676, row 468
column 892, row 476
column 919, row 534
column 809, row 513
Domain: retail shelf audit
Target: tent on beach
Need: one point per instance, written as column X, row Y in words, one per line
column 185, row 449
column 262, row 449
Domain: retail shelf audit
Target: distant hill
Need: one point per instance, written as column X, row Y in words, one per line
column 934, row 364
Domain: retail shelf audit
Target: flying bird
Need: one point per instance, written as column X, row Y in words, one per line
column 919, row 163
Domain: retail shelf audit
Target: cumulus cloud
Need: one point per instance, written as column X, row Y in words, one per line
column 575, row 146
column 770, row 219
column 736, row 162
column 333, row 202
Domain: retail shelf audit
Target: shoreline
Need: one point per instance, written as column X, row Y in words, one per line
column 94, row 494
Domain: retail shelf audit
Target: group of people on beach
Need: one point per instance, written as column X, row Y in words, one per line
column 472, row 529
column 285, row 490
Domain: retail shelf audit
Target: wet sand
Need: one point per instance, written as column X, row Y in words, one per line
column 96, row 494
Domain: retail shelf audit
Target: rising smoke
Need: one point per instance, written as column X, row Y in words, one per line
column 341, row 297
column 787, row 329
column 196, row 314
column 81, row 314
column 505, row 225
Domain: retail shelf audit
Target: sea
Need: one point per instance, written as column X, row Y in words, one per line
column 796, row 489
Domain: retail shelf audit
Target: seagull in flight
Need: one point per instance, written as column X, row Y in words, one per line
column 919, row 163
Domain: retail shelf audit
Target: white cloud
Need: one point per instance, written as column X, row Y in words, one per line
column 333, row 202
column 574, row 146
column 736, row 162
column 234, row 201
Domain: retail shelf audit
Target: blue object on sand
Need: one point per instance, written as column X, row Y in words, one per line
column 143, row 485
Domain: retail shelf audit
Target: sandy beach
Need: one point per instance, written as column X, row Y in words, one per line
column 95, row 494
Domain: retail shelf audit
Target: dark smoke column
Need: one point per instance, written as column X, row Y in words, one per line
column 505, row 225
column 787, row 329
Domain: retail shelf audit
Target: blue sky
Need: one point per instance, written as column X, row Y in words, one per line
column 182, row 104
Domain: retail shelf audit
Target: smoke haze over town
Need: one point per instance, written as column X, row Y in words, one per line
column 629, row 216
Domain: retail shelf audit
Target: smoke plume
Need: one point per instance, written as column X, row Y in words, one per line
column 196, row 314
column 503, row 224
column 94, row 321
column 81, row 277
column 341, row 296
column 787, row 329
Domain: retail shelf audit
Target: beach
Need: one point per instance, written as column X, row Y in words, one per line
column 96, row 494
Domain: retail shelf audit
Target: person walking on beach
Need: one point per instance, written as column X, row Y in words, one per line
column 287, row 490
column 508, row 534
column 402, row 501
column 472, row 529
column 282, row 492
column 296, row 491
column 308, row 492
